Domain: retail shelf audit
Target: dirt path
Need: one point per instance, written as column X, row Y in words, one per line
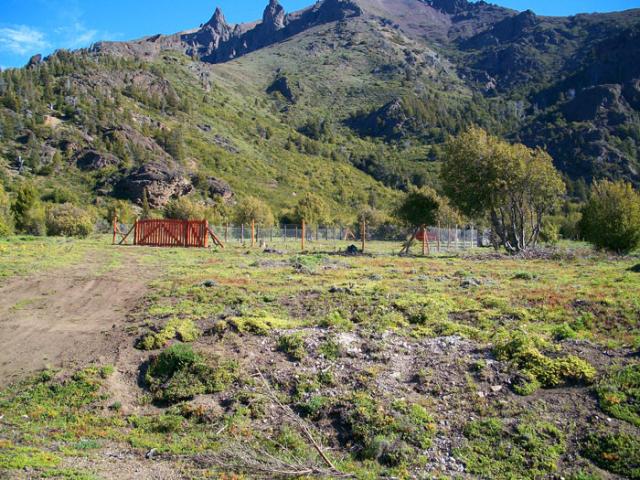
column 67, row 317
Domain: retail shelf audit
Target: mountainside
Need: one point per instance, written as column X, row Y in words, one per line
column 347, row 98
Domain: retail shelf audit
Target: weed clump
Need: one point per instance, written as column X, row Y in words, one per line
column 538, row 370
column 615, row 452
column 528, row 449
column 619, row 394
column 184, row 330
column 390, row 434
column 179, row 373
column 293, row 346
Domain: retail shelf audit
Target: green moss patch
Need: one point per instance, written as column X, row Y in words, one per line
column 619, row 394
column 526, row 449
column 184, row 330
column 616, row 453
column 179, row 373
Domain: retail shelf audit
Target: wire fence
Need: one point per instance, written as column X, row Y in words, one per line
column 440, row 238
column 387, row 237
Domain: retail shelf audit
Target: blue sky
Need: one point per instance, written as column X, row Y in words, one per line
column 28, row 27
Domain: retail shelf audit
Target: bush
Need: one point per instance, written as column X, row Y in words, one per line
column 538, row 370
column 254, row 209
column 33, row 221
column 184, row 208
column 183, row 329
column 293, row 346
column 618, row 453
column 619, row 394
column 611, row 217
column 391, row 434
column 6, row 220
column 68, row 220
column 179, row 373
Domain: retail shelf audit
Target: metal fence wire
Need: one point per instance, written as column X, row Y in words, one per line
column 443, row 238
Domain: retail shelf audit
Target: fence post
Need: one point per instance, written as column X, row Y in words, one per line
column 424, row 240
column 115, row 224
column 253, row 233
column 226, row 233
column 285, row 233
column 438, row 237
column 135, row 232
column 303, row 234
column 363, row 232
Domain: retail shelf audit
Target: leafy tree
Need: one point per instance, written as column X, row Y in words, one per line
column 146, row 209
column 6, row 220
column 184, row 208
column 312, row 209
column 26, row 200
column 512, row 184
column 253, row 209
column 611, row 217
column 418, row 210
column 69, row 220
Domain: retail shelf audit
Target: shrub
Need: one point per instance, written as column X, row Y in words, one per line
column 254, row 209
column 293, row 346
column 619, row 394
column 616, row 452
column 6, row 220
column 33, row 221
column 69, row 221
column 538, row 370
column 391, row 434
column 179, row 373
column 25, row 207
column 184, row 208
column 611, row 217
column 182, row 329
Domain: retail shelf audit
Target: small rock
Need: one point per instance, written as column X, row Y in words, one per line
column 209, row 283
column 151, row 454
column 496, row 388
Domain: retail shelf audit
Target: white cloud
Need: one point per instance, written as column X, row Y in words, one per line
column 76, row 35
column 21, row 40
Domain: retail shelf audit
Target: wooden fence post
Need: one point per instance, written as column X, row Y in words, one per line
column 115, row 225
column 253, row 233
column 424, row 240
column 363, row 232
column 438, row 237
column 135, row 232
column 303, row 234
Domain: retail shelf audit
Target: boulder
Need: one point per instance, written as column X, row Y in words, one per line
column 35, row 60
column 91, row 160
column 220, row 188
column 161, row 181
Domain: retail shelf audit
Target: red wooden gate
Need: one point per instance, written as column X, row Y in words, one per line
column 172, row 233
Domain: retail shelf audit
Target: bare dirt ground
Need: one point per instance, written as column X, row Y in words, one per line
column 67, row 317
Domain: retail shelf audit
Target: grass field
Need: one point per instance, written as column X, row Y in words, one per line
column 244, row 364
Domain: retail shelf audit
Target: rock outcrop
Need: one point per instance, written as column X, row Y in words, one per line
column 91, row 160
column 161, row 182
column 220, row 189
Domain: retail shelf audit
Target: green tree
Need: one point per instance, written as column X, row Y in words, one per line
column 511, row 184
column 611, row 217
column 312, row 209
column 184, row 208
column 418, row 210
column 252, row 209
column 6, row 219
column 25, row 201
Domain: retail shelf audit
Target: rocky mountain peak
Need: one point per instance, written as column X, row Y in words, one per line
column 274, row 16
column 449, row 6
column 217, row 19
